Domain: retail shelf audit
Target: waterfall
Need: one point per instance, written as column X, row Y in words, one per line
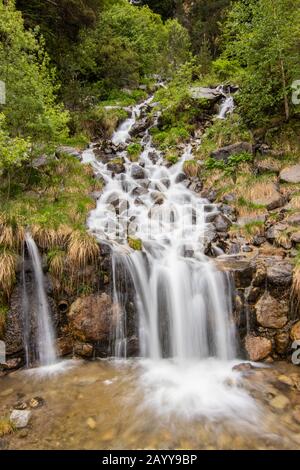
column 183, row 302
column 227, row 105
column 45, row 348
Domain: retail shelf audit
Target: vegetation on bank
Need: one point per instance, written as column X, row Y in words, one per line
column 72, row 69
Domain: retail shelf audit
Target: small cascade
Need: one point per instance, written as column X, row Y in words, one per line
column 182, row 301
column 227, row 105
column 37, row 315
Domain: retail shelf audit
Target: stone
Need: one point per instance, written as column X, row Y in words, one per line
column 180, row 178
column 198, row 92
column 243, row 367
column 20, row 418
column 280, row 274
column 280, row 403
column 293, row 219
column 222, row 223
column 66, row 150
column 137, row 172
column 36, row 402
column 85, row 350
column 295, row 238
column 290, row 174
column 257, row 347
column 64, row 346
column 116, row 166
column 224, row 153
column 270, row 312
column 271, row 200
column 267, row 166
column 295, row 332
column 92, row 317
column 91, row 423
column 13, row 363
column 157, row 197
column 241, row 269
column 281, row 342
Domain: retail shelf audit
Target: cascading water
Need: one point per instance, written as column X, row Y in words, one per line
column 183, row 302
column 227, row 105
column 45, row 349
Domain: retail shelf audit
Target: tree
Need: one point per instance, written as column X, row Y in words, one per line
column 31, row 108
column 263, row 37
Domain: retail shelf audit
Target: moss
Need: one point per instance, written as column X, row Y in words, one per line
column 3, row 313
column 172, row 158
column 135, row 243
column 134, row 151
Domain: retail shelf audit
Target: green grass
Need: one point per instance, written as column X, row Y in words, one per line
column 135, row 243
column 134, row 151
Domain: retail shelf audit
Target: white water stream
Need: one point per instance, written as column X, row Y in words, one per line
column 186, row 332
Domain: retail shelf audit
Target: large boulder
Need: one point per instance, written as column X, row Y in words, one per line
column 257, row 347
column 241, row 268
column 116, row 166
column 91, row 318
column 290, row 174
column 199, row 92
column 224, row 153
column 279, row 274
column 67, row 150
column 272, row 198
column 271, row 312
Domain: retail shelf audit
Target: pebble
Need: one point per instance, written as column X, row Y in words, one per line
column 20, row 418
column 91, row 423
column 36, row 402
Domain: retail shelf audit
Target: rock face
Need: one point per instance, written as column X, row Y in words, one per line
column 224, row 153
column 258, row 348
column 205, row 93
column 270, row 312
column 13, row 337
column 295, row 331
column 290, row 174
column 92, row 317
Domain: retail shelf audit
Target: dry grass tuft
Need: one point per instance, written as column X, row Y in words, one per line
column 11, row 233
column 8, row 263
column 295, row 293
column 48, row 238
column 191, row 168
column 83, row 249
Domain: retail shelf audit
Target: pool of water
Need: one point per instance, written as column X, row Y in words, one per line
column 146, row 405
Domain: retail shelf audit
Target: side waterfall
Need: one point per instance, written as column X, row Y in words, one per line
column 44, row 333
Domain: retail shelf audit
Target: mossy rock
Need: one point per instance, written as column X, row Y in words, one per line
column 134, row 151
column 135, row 243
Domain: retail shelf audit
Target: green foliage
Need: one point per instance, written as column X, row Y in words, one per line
column 31, row 108
column 13, row 151
column 231, row 166
column 172, row 158
column 135, row 243
column 262, row 37
column 169, row 137
column 134, row 150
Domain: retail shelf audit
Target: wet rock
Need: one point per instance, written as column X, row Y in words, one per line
column 85, row 350
column 13, row 363
column 243, row 367
column 242, row 269
column 116, row 166
column 91, row 317
column 198, row 92
column 270, row 312
column 180, row 178
column 139, row 191
column 20, row 418
column 290, row 174
column 137, row 172
column 281, row 342
column 295, row 332
column 196, row 186
column 36, row 402
column 222, row 223
column 64, row 346
column 224, row 153
column 13, row 337
column 140, row 127
column 157, row 197
column 257, row 347
column 209, row 194
column 280, row 403
column 228, row 198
